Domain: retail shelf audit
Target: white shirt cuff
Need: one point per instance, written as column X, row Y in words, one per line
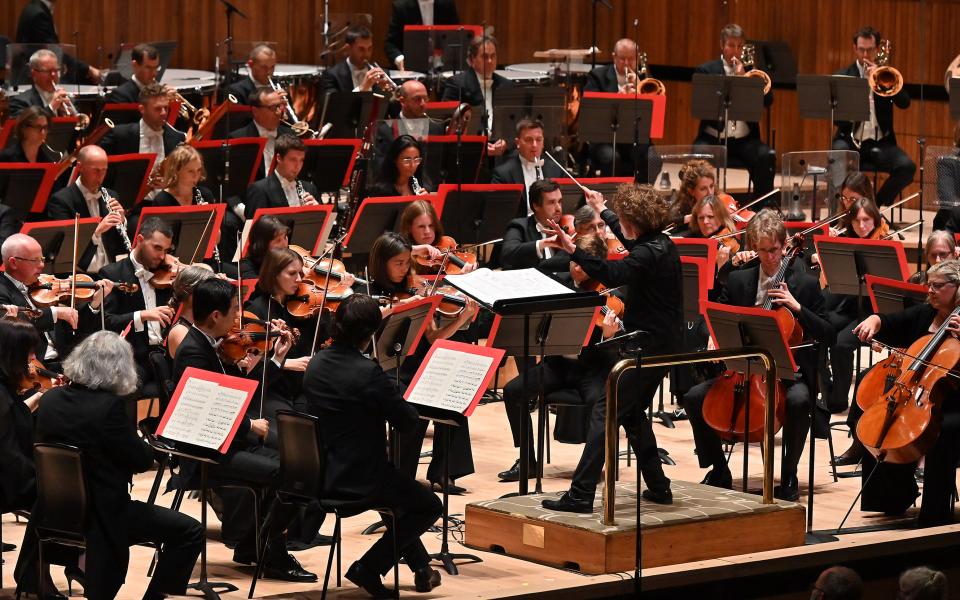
column 137, row 321
column 539, row 249
column 240, row 210
column 398, row 60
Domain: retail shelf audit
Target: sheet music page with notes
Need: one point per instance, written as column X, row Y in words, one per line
column 453, row 376
column 490, row 286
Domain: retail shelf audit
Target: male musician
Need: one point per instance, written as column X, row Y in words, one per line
column 36, row 26
column 415, row 12
column 527, row 240
column 800, row 293
column 145, row 60
column 145, row 313
column 528, row 166
column 85, row 197
column 355, row 72
column 875, row 139
column 280, row 188
column 267, row 109
column 413, row 118
column 587, row 221
column 261, row 63
column 476, row 85
column 215, row 309
column 151, row 134
column 744, row 142
column 585, row 374
column 45, row 75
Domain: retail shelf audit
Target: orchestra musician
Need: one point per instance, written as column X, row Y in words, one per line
column 282, row 188
column 145, row 62
column 90, row 413
column 182, row 302
column 44, row 91
column 18, row 489
column 151, row 134
column 710, row 218
column 267, row 108
column 354, row 400
column 215, row 310
column 529, row 241
column 402, row 166
column 855, row 185
column 586, row 373
column 88, row 198
column 419, row 12
column 800, row 293
column 940, row 246
column 587, row 221
column 30, row 138
column 267, row 233
column 698, row 179
column 743, row 139
column 413, row 119
column 35, row 26
column 875, row 139
column 355, row 73
column 528, row 165
column 420, row 224
column 261, row 63
column 475, row 86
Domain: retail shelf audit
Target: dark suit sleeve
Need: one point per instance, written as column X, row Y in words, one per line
column 451, row 89
column 17, row 468
column 900, row 328
column 517, row 253
column 813, row 312
column 611, row 273
column 58, row 207
column 9, row 224
column 398, row 412
column 17, row 104
column 497, row 177
column 328, row 82
column 393, row 45
column 122, row 441
column 256, row 198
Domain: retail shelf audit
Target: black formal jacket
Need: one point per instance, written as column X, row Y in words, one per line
column 120, row 307
column 512, row 172
column 18, row 483
column 25, row 100
column 407, row 12
column 651, row 272
column 354, row 399
column 16, row 154
column 267, row 193
column 165, row 198
column 9, row 294
column 35, row 26
column 386, row 134
column 715, row 67
column 520, row 249
column 125, row 93
column 96, row 422
column 241, row 90
column 68, row 202
column 125, row 139
column 337, row 78
column 602, row 79
column 882, row 106
column 465, row 87
column 250, row 130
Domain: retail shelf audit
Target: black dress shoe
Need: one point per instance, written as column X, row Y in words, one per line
column 369, row 581
column 426, row 579
column 513, row 473
column 720, row 478
column 453, row 489
column 658, row 496
column 569, row 502
column 788, row 489
column 851, row 456
column 288, row 569
column 243, row 556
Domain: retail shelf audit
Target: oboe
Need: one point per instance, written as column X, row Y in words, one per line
column 300, row 193
column 120, row 226
column 415, row 186
column 198, row 199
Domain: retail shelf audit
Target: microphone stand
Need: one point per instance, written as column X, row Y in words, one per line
column 921, row 140
column 636, row 118
column 231, row 9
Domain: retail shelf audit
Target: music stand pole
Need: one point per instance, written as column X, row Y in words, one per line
column 726, row 137
column 445, row 556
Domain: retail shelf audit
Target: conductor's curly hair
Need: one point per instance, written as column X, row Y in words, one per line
column 642, row 205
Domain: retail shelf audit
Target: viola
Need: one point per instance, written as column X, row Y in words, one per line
column 248, row 335
column 615, row 246
column 310, row 297
column 452, row 302
column 168, row 270
column 456, row 260
column 739, row 215
column 50, row 290
column 38, row 378
column 614, row 305
column 726, row 242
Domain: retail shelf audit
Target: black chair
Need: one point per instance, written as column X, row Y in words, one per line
column 302, row 467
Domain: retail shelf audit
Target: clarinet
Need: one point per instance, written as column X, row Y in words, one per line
column 198, row 199
column 119, row 226
column 415, row 186
column 300, row 192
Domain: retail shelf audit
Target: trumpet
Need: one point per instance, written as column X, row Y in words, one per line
column 299, row 127
column 189, row 111
column 83, row 121
column 748, row 56
column 641, row 82
column 884, row 80
column 385, row 80
column 121, row 229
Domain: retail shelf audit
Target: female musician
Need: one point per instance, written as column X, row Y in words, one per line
column 940, row 246
column 856, row 185
column 709, row 218
column 182, row 171
column 698, row 179
column 420, row 224
column 30, row 138
column 18, row 485
column 893, row 488
column 266, row 234
column 391, row 274
column 864, row 221
column 183, row 285
column 401, row 173
column 652, row 276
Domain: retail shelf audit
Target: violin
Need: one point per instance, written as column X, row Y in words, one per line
column 615, row 246
column 902, row 396
column 309, row 298
column 614, row 305
column 248, row 335
column 726, row 242
column 23, row 313
column 40, row 379
column 168, row 270
column 50, row 290
column 452, row 302
column 739, row 215
column 456, row 260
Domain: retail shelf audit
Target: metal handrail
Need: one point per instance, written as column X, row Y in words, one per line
column 688, row 358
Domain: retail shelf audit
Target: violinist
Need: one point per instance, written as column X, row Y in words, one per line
column 283, row 187
column 651, row 273
column 698, row 179
column 893, row 488
column 267, row 233
column 401, row 173
column 182, row 301
column 146, row 312
column 215, row 310
column 587, row 221
column 420, row 224
column 528, row 241
column 709, row 218
column 586, row 373
column 940, row 246
column 855, row 185
column 799, row 293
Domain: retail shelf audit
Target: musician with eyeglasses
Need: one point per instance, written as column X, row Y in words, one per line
column 45, row 90
column 30, row 138
column 875, row 139
column 401, row 173
column 283, row 187
column 267, row 110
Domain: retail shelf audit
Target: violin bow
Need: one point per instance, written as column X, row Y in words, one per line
column 239, row 281
column 206, row 228
column 373, row 337
column 73, row 266
column 263, row 359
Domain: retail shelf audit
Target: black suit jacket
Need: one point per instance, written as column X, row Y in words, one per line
column 354, row 399
column 96, row 422
column 250, row 130
column 267, row 193
column 241, row 90
column 337, row 78
column 9, row 223
column 120, row 307
column 715, row 67
column 68, row 202
column 882, row 106
column 9, row 294
column 465, row 87
column 25, row 100
column 35, row 26
column 15, row 153
column 512, row 172
column 602, row 79
column 520, row 248
column 125, row 139
column 407, row 12
column 387, row 132
column 125, row 93
column 18, row 484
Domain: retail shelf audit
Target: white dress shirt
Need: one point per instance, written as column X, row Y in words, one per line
column 149, row 302
column 151, row 141
column 487, row 85
column 734, row 129
column 358, row 74
column 268, row 148
column 531, row 173
column 289, row 187
column 92, row 199
column 426, row 11
column 416, row 127
column 47, row 97
column 543, row 251
column 763, row 285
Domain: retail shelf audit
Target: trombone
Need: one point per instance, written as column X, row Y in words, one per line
column 748, row 56
column 647, row 84
column 884, row 80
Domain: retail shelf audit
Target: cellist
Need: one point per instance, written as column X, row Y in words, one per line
column 798, row 293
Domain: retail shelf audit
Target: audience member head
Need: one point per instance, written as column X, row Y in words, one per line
column 103, row 361
column 923, row 583
column 838, row 583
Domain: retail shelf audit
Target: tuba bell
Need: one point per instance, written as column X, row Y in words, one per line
column 648, row 85
column 748, row 56
column 885, row 80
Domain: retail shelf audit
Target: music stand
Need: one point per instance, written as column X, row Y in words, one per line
column 833, row 97
column 603, row 115
column 62, row 132
column 374, row 217
column 236, row 117
column 191, row 230
column 309, row 225
column 573, row 197
column 400, row 332
column 56, row 241
column 698, row 248
column 246, row 154
column 25, row 187
column 846, row 261
column 127, row 174
column 514, row 103
column 893, row 295
column 477, row 213
column 429, row 48
column 329, row 162
column 696, row 273
column 352, row 112
column 440, row 157
column 954, row 93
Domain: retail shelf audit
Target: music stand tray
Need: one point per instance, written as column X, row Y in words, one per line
column 477, row 213
column 25, row 187
column 401, row 330
column 440, row 157
column 374, row 217
column 514, row 103
column 56, row 241
column 722, row 98
column 62, row 132
column 127, row 174
column 573, row 197
column 193, row 227
column 246, row 154
column 845, row 262
column 696, row 272
column 698, row 248
column 449, row 43
column 892, row 295
column 740, row 326
column 329, row 163
column 351, row 112
column 833, row 97
column 309, row 225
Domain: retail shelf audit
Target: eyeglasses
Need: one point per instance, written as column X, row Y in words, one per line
column 850, row 198
column 50, row 72
column 411, row 161
column 936, row 286
column 39, row 127
column 272, row 107
column 40, row 260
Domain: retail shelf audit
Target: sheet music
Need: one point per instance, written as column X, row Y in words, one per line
column 450, row 380
column 490, row 286
column 205, row 414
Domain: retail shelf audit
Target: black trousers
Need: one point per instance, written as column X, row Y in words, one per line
column 751, row 152
column 887, row 157
column 636, row 392
column 629, row 163
column 842, row 355
column 559, row 373
column 795, row 427
column 460, row 456
column 416, row 509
